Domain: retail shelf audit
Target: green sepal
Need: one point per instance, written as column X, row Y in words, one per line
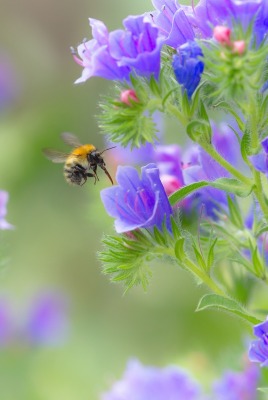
column 210, row 257
column 214, row 301
column 179, row 250
column 234, row 213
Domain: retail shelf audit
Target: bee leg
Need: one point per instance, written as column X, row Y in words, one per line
column 94, row 169
column 106, row 172
column 89, row 175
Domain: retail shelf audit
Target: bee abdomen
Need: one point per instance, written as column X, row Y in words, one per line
column 72, row 175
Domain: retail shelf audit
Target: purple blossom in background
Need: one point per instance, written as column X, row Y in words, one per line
column 237, row 385
column 46, row 323
column 205, row 168
column 258, row 351
column 260, row 161
column 168, row 159
column 9, row 86
column 188, row 67
column 3, row 210
column 137, row 202
column 150, row 383
column 116, row 54
column 7, row 327
column 47, row 320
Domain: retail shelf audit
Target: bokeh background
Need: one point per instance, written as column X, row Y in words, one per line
column 59, row 228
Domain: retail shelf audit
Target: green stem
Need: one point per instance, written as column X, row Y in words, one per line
column 190, row 266
column 204, row 277
column 225, row 164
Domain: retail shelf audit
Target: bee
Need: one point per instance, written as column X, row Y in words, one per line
column 81, row 163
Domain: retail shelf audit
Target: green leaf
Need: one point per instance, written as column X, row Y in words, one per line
column 232, row 185
column 185, row 191
column 245, row 147
column 263, row 390
column 214, row 301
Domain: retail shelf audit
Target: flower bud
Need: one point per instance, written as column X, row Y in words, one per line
column 239, row 46
column 128, row 95
column 222, row 34
column 171, row 183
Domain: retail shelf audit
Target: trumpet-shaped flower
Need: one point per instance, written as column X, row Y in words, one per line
column 116, row 54
column 137, row 202
column 188, row 67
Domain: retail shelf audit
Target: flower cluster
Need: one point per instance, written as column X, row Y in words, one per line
column 205, row 66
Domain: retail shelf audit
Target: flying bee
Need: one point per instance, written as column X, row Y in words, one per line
column 81, row 163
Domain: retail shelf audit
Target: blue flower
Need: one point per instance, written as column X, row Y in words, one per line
column 137, row 202
column 258, row 351
column 151, row 383
column 188, row 67
column 116, row 54
column 237, row 385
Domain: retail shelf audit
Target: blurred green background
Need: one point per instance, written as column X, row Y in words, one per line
column 59, row 227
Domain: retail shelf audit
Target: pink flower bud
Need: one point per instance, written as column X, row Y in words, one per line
column 239, row 46
column 128, row 95
column 222, row 34
column 170, row 183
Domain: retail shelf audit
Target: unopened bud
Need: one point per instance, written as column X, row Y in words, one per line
column 171, row 184
column 128, row 95
column 239, row 46
column 222, row 34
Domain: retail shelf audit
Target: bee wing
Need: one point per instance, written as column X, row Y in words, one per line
column 55, row 156
column 70, row 139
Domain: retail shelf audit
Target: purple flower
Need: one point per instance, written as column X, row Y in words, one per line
column 137, row 202
column 171, row 18
column 145, row 383
column 238, row 385
column 47, row 320
column 95, row 56
column 260, row 161
column 9, row 85
column 115, row 55
column 188, row 67
column 3, row 210
column 258, row 351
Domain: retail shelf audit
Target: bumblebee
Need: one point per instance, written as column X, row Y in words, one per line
column 81, row 163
